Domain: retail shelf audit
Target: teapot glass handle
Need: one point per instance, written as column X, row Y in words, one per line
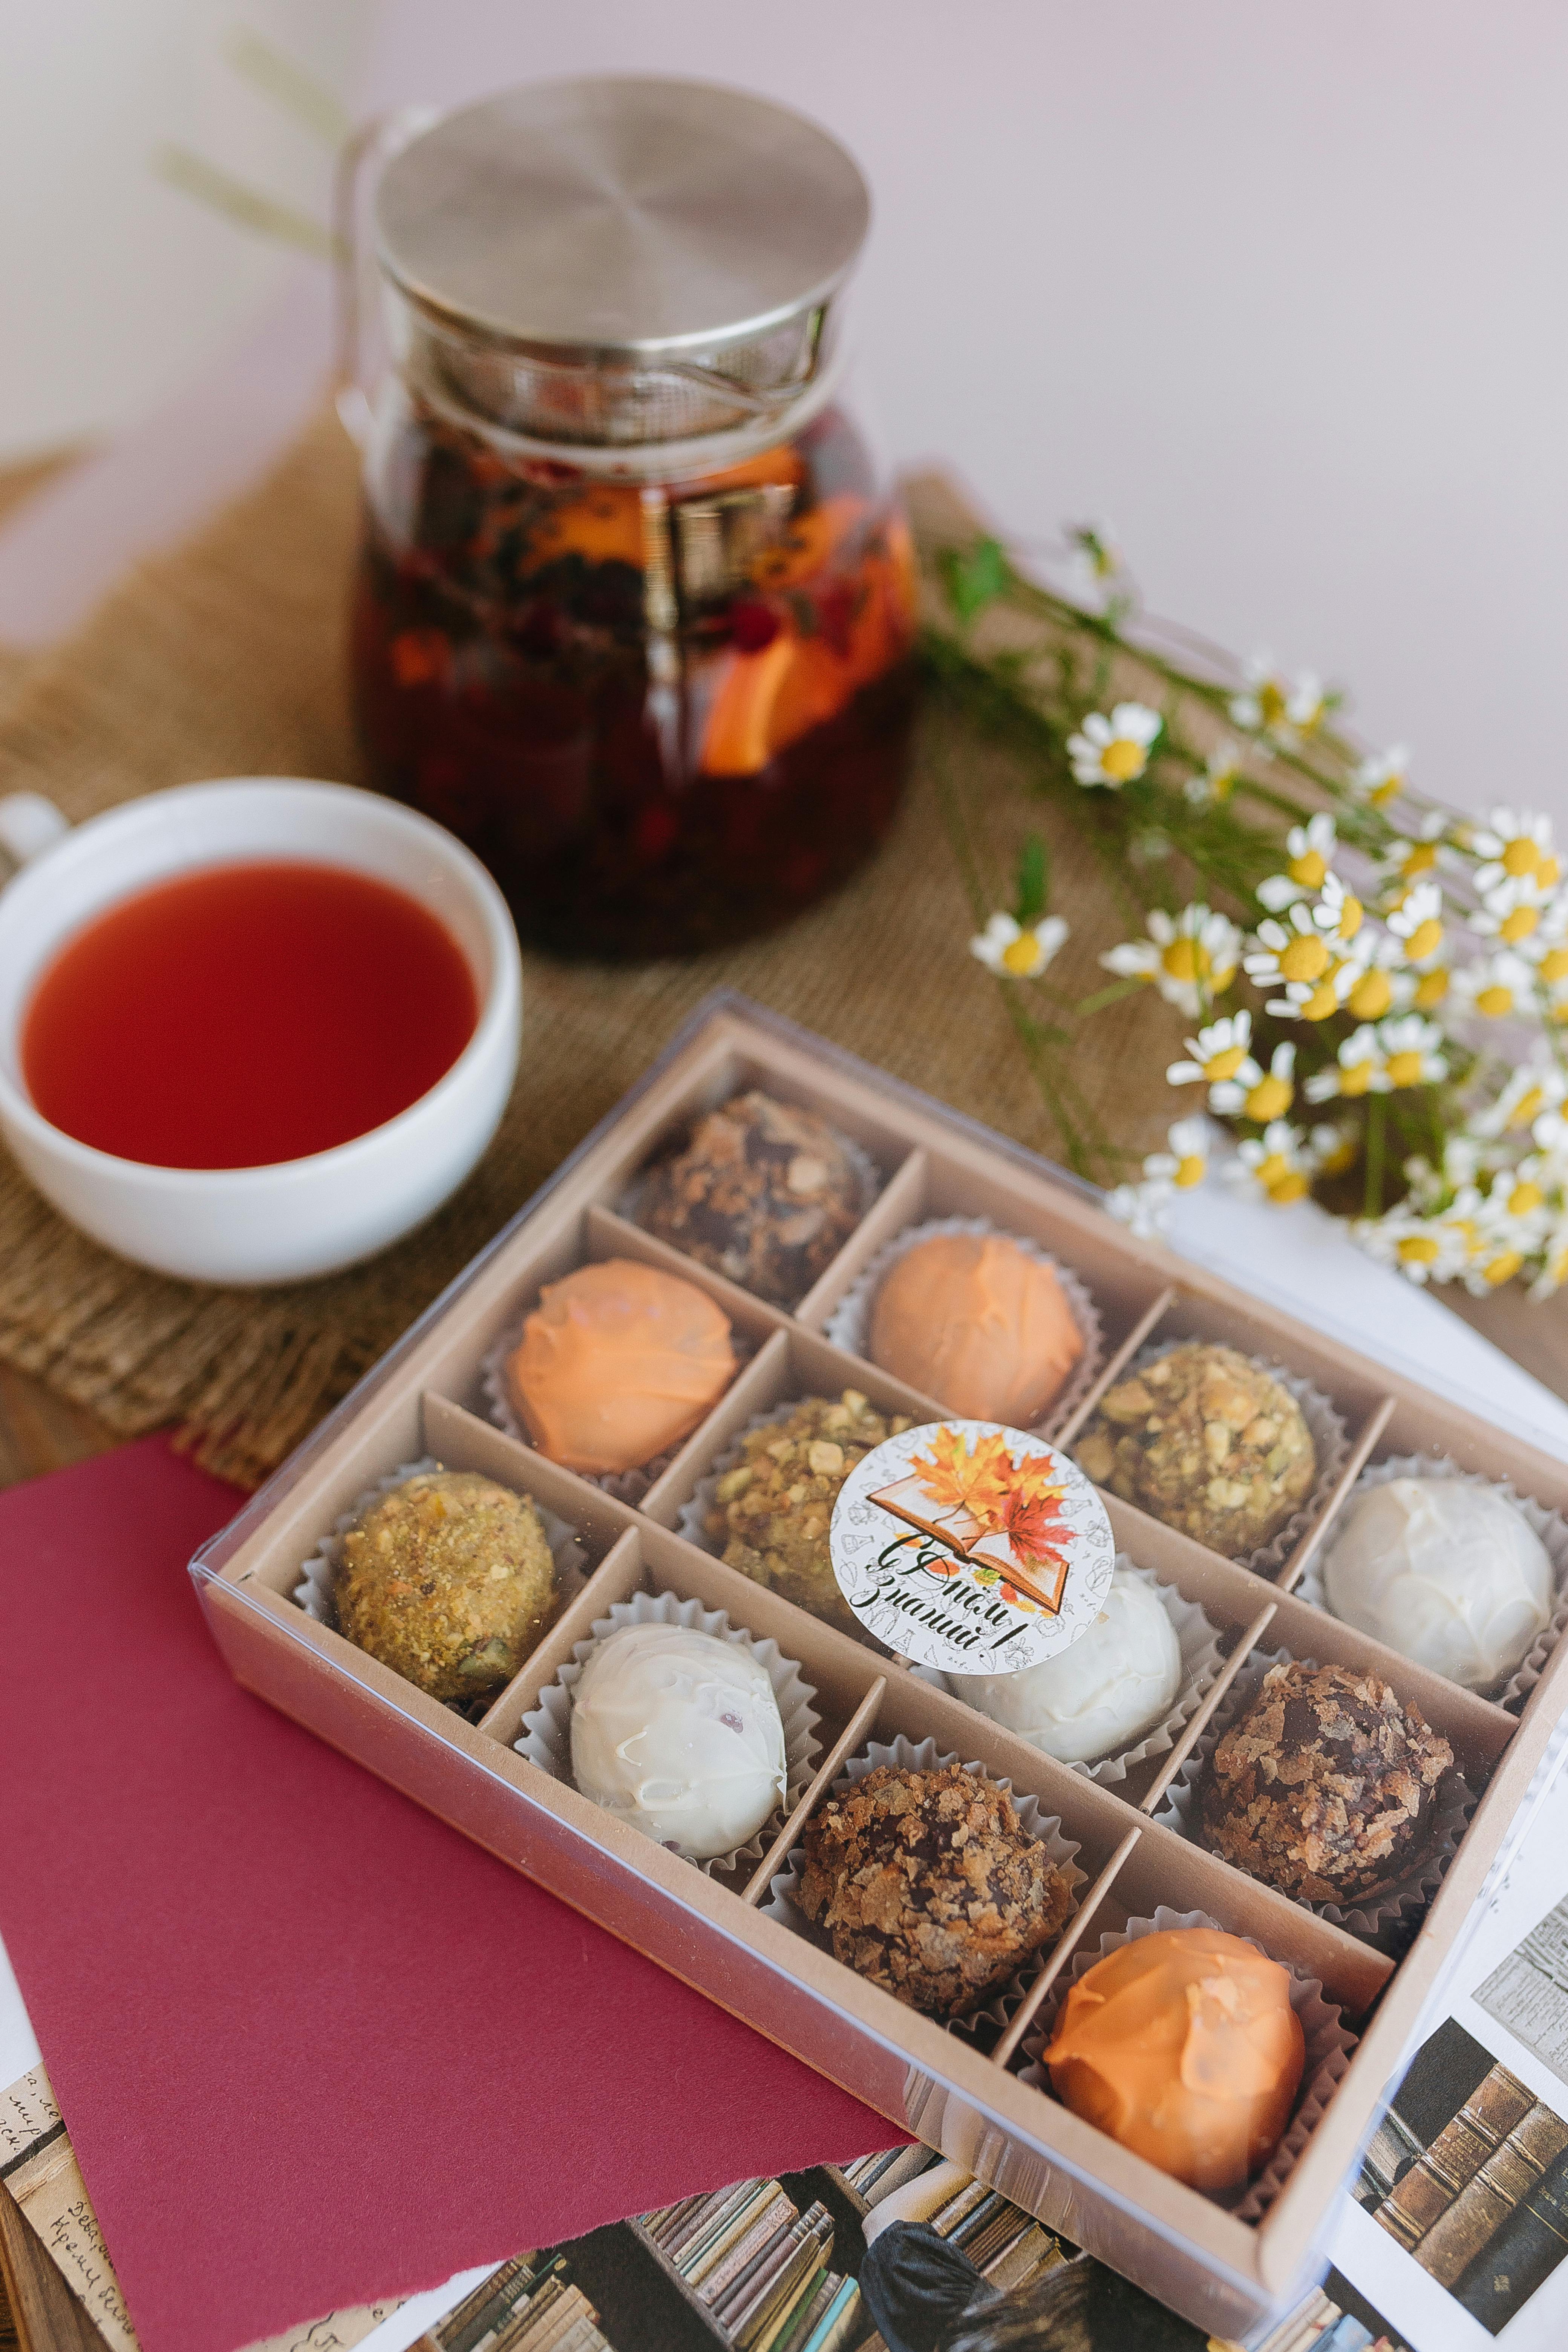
column 28, row 825
column 371, row 147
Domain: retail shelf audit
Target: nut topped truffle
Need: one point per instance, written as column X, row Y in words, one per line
column 929, row 1887
column 764, row 1193
column 618, row 1363
column 773, row 1510
column 449, row 1580
column 1324, row 1788
column 1206, row 1441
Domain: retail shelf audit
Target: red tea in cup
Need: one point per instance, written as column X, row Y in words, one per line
column 246, row 1013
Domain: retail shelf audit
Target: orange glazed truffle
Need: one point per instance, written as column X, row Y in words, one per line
column 618, row 1363
column 1185, row 2047
column 979, row 1324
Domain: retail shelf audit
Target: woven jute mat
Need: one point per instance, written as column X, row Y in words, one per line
column 226, row 657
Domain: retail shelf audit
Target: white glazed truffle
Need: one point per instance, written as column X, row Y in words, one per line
column 678, row 1733
column 1099, row 1697
column 1445, row 1572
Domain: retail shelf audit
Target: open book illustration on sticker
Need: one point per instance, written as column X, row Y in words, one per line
column 1000, row 1518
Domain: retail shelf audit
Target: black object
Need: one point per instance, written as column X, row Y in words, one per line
column 919, row 2290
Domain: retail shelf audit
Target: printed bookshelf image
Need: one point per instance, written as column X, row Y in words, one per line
column 1334, row 2318
column 530, row 2305
column 1528, row 1992
column 1468, row 2173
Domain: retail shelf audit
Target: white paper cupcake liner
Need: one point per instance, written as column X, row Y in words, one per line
column 625, row 1485
column 546, row 1736
column 867, row 1175
column 1331, row 1444
column 1329, row 2047
column 982, row 2026
column 1550, row 1526
column 1202, row 1659
column 1387, row 1919
column 318, row 1572
column 849, row 1325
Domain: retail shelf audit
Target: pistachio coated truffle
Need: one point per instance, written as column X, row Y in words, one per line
column 764, row 1193
column 618, row 1363
column 1184, row 2048
column 449, row 1580
column 980, row 1324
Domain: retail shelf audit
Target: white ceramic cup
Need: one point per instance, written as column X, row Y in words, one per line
column 297, row 1217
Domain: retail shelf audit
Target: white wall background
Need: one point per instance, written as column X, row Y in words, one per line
column 1279, row 289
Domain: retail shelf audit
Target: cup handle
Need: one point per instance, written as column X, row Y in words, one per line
column 28, row 825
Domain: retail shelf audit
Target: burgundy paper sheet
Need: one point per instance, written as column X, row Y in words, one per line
column 311, row 2046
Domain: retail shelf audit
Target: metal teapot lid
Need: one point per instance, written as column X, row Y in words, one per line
column 621, row 258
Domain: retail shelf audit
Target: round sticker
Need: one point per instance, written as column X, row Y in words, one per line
column 971, row 1548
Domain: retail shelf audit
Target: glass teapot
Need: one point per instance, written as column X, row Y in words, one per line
column 634, row 608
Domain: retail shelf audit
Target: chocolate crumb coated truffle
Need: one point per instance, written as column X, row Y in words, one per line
column 773, row 1510
column 618, row 1363
column 979, row 1323
column 1324, row 1787
column 1206, row 1442
column 764, row 1193
column 1183, row 2046
column 929, row 1887
column 449, row 1580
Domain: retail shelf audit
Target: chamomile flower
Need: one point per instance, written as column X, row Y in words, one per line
column 1143, row 1206
column 1310, row 848
column 1217, row 778
column 1382, row 776
column 1413, row 857
column 1553, row 1261
column 1097, row 561
column 1424, row 1249
column 1417, row 922
column 1536, row 1089
column 1295, row 949
column 1510, row 910
column 1271, row 704
column 1220, row 1056
column 1338, row 914
column 1266, row 1096
column 1333, row 1149
column 1412, row 1052
column 1371, row 993
column 1498, row 986
column 1189, row 960
column 1514, row 842
column 1280, row 1164
column 1018, row 951
column 1318, row 999
column 1356, row 1069
column 1114, row 751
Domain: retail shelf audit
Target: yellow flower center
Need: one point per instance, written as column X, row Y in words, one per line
column 1434, row 987
column 1305, row 959
column 1518, row 924
column 1357, row 1078
column 1190, row 1171
column 1503, row 1268
column 1349, row 917
column 1271, row 701
column 1372, row 996
column 1405, row 1069
column 1186, row 960
column 1381, row 795
column 1417, row 1249
column 1419, row 858
column 1495, row 1001
column 1524, row 1197
column 1424, row 939
column 1310, row 870
column 1122, row 760
column 1224, row 783
column 1526, row 1109
column 1271, row 1097
column 1021, row 956
column 1268, row 1171
column 1553, row 964
column 1521, row 855
column 1547, row 872
column 1226, row 1065
column 1323, row 1001
column 1289, row 1187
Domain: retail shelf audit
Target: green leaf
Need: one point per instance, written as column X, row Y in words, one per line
column 1033, row 880
column 976, row 579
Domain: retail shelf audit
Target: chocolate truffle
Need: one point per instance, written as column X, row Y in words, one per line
column 773, row 1511
column 1324, row 1787
column 1206, row 1442
column 929, row 1885
column 1095, row 1699
column 678, row 1734
column 449, row 1580
column 1183, row 2046
column 617, row 1364
column 978, row 1323
column 1445, row 1572
column 764, row 1193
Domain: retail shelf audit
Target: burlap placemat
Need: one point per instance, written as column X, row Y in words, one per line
column 225, row 657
